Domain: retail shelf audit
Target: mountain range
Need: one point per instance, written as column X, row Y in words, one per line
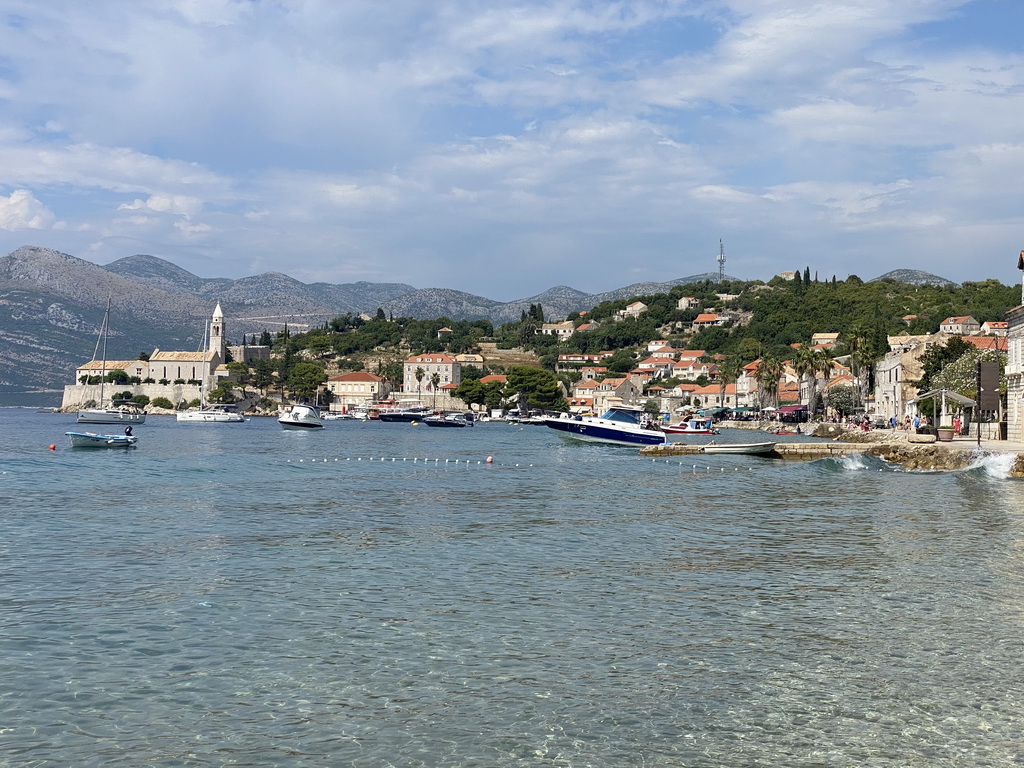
column 52, row 304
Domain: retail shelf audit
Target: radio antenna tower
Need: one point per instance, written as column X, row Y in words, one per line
column 721, row 261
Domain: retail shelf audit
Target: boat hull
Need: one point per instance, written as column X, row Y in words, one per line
column 210, row 417
column 94, row 440
column 301, row 417
column 401, row 416
column 741, row 448
column 110, row 416
column 605, row 431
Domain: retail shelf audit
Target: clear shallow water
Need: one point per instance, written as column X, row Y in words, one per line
column 242, row 595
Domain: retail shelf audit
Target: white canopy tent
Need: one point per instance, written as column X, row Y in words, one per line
column 943, row 395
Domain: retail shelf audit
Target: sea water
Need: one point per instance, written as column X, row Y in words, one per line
column 381, row 595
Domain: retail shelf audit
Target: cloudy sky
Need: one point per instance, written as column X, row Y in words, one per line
column 502, row 148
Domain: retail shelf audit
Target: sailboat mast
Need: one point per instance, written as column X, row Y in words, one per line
column 103, row 336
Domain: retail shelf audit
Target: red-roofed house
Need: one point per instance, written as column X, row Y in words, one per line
column 961, row 325
column 356, row 388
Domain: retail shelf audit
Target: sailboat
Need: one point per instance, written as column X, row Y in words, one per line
column 214, row 413
column 119, row 413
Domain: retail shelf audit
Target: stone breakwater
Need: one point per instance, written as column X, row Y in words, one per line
column 913, row 452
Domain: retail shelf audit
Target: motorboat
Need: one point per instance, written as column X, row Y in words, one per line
column 301, row 416
column 337, row 416
column 448, row 420
column 619, row 425
column 691, row 427
column 757, row 449
column 218, row 413
column 93, row 440
column 406, row 415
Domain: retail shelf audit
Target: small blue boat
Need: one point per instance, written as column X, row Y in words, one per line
column 93, row 440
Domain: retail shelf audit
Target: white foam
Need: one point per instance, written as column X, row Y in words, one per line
column 995, row 464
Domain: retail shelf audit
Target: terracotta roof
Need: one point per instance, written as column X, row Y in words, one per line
column 97, row 365
column 998, row 343
column 356, row 376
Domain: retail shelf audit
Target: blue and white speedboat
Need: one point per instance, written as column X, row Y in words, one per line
column 620, row 425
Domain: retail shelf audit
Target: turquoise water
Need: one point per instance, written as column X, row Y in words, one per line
column 379, row 595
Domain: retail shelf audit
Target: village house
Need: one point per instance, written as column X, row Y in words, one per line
column 711, row 396
column 447, row 368
column 824, row 340
column 633, row 309
column 706, row 320
column 687, row 302
column 657, row 366
column 560, row 330
column 962, row 325
column 623, row 390
column 897, row 374
column 574, row 361
column 994, row 328
column 356, row 388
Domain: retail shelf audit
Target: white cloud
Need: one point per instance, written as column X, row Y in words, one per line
column 182, row 205
column 20, row 210
column 409, row 140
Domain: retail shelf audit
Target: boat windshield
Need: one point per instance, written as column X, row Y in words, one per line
column 623, row 415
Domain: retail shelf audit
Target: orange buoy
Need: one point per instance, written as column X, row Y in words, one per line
column 53, row 447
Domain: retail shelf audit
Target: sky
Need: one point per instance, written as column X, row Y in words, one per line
column 503, row 148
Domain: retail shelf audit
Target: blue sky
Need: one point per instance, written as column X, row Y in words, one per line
column 502, row 148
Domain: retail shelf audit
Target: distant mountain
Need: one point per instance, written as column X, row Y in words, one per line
column 915, row 277
column 51, row 307
column 558, row 302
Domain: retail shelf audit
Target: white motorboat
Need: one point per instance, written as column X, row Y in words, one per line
column 691, row 427
column 217, row 413
column 93, row 440
column 115, row 413
column 619, row 425
column 748, row 448
column 448, row 420
column 301, row 417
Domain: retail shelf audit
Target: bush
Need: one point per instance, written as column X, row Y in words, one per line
column 162, row 402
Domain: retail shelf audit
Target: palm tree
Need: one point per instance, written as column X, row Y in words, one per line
column 805, row 364
column 728, row 372
column 823, row 370
column 768, row 372
column 435, row 380
column 420, row 373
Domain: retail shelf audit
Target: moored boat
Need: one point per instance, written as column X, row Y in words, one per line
column 218, row 413
column 747, row 448
column 619, row 425
column 93, row 440
column 691, row 427
column 115, row 412
column 448, row 420
column 301, row 416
